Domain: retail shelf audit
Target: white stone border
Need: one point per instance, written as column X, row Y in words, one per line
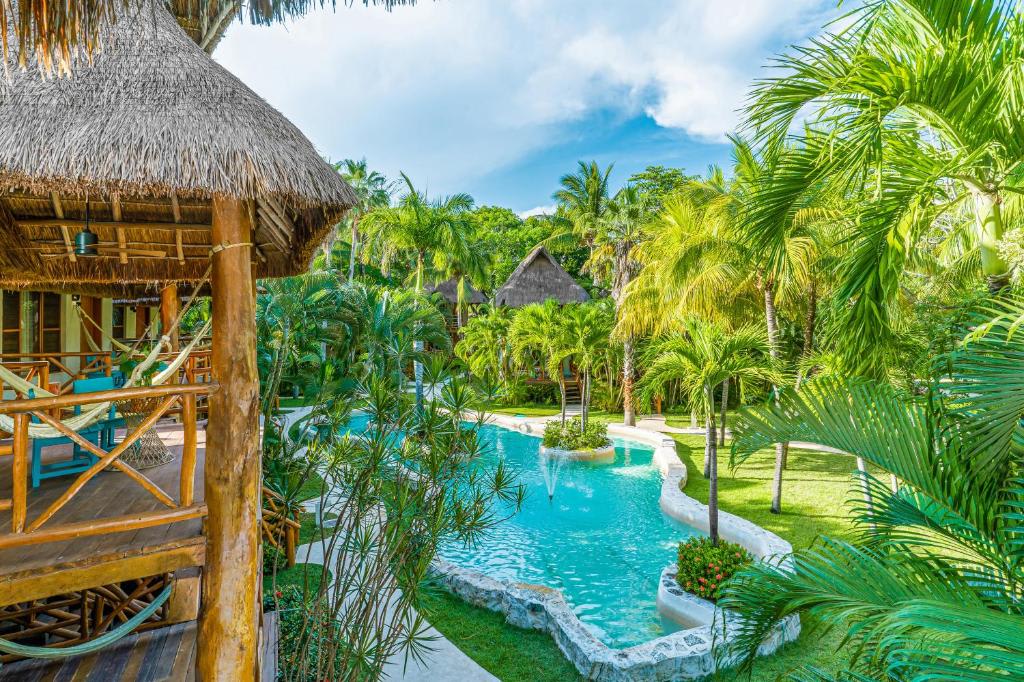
column 683, row 655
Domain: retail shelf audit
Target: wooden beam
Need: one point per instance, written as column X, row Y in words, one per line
column 229, row 637
column 176, row 210
column 58, row 210
column 113, row 224
column 112, row 524
column 115, row 212
column 102, row 570
column 272, row 230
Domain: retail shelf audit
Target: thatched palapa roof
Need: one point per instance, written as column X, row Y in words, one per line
column 538, row 278
column 449, row 289
column 148, row 133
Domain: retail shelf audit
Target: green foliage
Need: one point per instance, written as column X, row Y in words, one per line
column 931, row 586
column 704, row 566
column 572, row 435
column 659, row 184
column 307, row 634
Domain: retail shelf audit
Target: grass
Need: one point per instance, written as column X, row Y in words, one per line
column 816, row 487
column 299, row 575
column 509, row 653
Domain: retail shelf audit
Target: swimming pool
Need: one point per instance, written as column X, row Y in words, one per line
column 600, row 538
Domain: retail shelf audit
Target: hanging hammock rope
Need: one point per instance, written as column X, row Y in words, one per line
column 93, row 645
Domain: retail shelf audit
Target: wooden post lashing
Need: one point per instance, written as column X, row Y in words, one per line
column 228, row 641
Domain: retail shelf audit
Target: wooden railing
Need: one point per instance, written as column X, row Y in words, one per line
column 280, row 527
column 37, row 371
column 88, row 363
column 25, row 531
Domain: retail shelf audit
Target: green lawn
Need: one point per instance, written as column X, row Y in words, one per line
column 508, row 653
column 816, row 488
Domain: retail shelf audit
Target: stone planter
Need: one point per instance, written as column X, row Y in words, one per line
column 603, row 453
column 682, row 607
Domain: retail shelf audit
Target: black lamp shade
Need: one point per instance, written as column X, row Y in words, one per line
column 85, row 243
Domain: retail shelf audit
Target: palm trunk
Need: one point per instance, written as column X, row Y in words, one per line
column 418, row 344
column 773, row 349
column 628, row 413
column 585, row 401
column 989, row 218
column 561, row 390
column 725, row 403
column 712, row 455
column 352, row 250
column 693, row 418
column 710, row 439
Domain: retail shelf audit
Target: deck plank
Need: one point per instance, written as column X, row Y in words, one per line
column 110, row 493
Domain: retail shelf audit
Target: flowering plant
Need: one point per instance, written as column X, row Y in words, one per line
column 703, row 566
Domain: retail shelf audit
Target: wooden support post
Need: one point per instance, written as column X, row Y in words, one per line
column 228, row 638
column 188, row 452
column 169, row 304
column 19, row 470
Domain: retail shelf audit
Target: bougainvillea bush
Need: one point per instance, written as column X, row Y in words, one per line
column 703, row 566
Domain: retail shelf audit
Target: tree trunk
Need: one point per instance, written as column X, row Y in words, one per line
column 352, row 250
column 712, row 456
column 725, row 403
column 417, row 367
column 229, row 632
column 628, row 413
column 693, row 418
column 709, row 430
column 989, row 218
column 773, row 348
column 561, row 391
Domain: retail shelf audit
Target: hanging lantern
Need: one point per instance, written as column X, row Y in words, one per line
column 86, row 240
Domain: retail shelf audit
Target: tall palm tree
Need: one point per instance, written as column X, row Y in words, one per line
column 623, row 227
column 583, row 331
column 916, row 115
column 932, row 587
column 582, row 202
column 537, row 330
column 372, row 191
column 423, row 228
column 701, row 356
column 484, row 345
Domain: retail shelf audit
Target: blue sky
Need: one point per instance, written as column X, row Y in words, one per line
column 499, row 98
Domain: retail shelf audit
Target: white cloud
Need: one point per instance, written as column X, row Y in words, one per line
column 537, row 210
column 451, row 90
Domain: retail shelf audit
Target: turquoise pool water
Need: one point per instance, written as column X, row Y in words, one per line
column 600, row 538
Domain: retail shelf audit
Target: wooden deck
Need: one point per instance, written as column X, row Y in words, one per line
column 163, row 655
column 110, row 493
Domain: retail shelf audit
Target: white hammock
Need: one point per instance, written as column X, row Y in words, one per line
column 96, row 412
column 94, row 347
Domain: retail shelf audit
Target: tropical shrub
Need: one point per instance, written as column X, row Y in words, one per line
column 572, row 436
column 704, row 566
column 299, row 638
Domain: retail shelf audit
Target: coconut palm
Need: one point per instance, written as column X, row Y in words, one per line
column 484, row 345
column 423, row 228
column 583, row 331
column 372, row 191
column 915, row 108
column 536, row 331
column 932, row 587
column 700, row 356
column 622, row 228
column 582, row 203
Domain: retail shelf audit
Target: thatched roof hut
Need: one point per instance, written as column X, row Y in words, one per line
column 449, row 290
column 137, row 144
column 538, row 278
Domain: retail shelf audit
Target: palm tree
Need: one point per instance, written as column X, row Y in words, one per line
column 583, row 331
column 932, row 587
column 916, row 116
column 484, row 345
column 619, row 232
column 438, row 229
column 537, row 331
column 701, row 356
column 582, row 203
column 372, row 191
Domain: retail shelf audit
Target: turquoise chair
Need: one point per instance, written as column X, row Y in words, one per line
column 101, row 434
